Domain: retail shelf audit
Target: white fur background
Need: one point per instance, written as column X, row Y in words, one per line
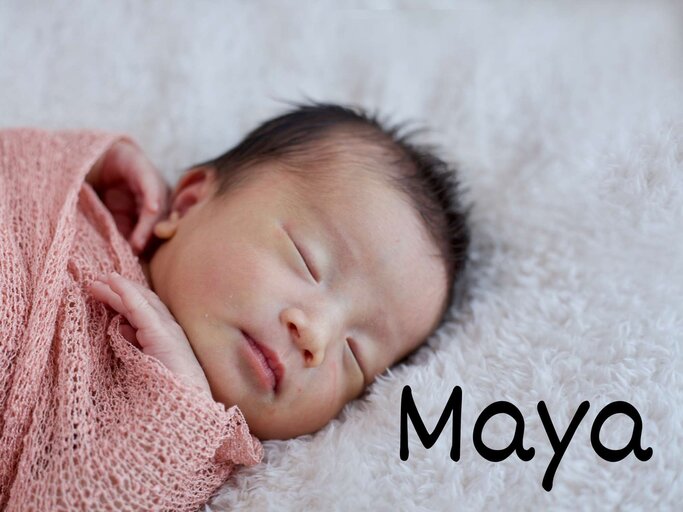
column 565, row 121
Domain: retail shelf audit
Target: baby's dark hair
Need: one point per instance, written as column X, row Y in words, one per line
column 314, row 134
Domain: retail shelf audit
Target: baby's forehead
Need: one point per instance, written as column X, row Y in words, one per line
column 364, row 208
column 340, row 163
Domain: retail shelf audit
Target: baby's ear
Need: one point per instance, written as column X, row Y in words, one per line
column 195, row 186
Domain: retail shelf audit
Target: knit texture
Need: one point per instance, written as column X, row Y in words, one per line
column 88, row 421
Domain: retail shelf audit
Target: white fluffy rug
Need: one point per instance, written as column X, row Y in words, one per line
column 566, row 122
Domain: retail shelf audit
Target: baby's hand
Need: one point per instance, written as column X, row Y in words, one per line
column 158, row 334
column 132, row 189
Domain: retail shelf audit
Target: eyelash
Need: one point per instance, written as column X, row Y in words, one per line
column 354, row 357
column 303, row 258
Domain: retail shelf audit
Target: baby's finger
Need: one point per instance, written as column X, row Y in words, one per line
column 102, row 292
column 144, row 228
column 151, row 297
column 161, row 312
column 139, row 310
column 151, row 187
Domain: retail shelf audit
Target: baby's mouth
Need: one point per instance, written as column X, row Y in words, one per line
column 269, row 358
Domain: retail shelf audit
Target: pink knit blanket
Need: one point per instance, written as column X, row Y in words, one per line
column 87, row 421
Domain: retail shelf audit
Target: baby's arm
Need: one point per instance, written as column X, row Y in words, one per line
column 156, row 331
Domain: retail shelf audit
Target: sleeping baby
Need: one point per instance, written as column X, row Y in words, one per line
column 285, row 275
column 150, row 340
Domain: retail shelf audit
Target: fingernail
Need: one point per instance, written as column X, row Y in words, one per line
column 155, row 206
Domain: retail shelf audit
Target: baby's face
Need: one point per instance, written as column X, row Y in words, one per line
column 336, row 287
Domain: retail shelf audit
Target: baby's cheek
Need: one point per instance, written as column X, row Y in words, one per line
column 218, row 283
column 334, row 381
column 323, row 388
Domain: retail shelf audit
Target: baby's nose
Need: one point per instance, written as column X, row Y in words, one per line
column 311, row 337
